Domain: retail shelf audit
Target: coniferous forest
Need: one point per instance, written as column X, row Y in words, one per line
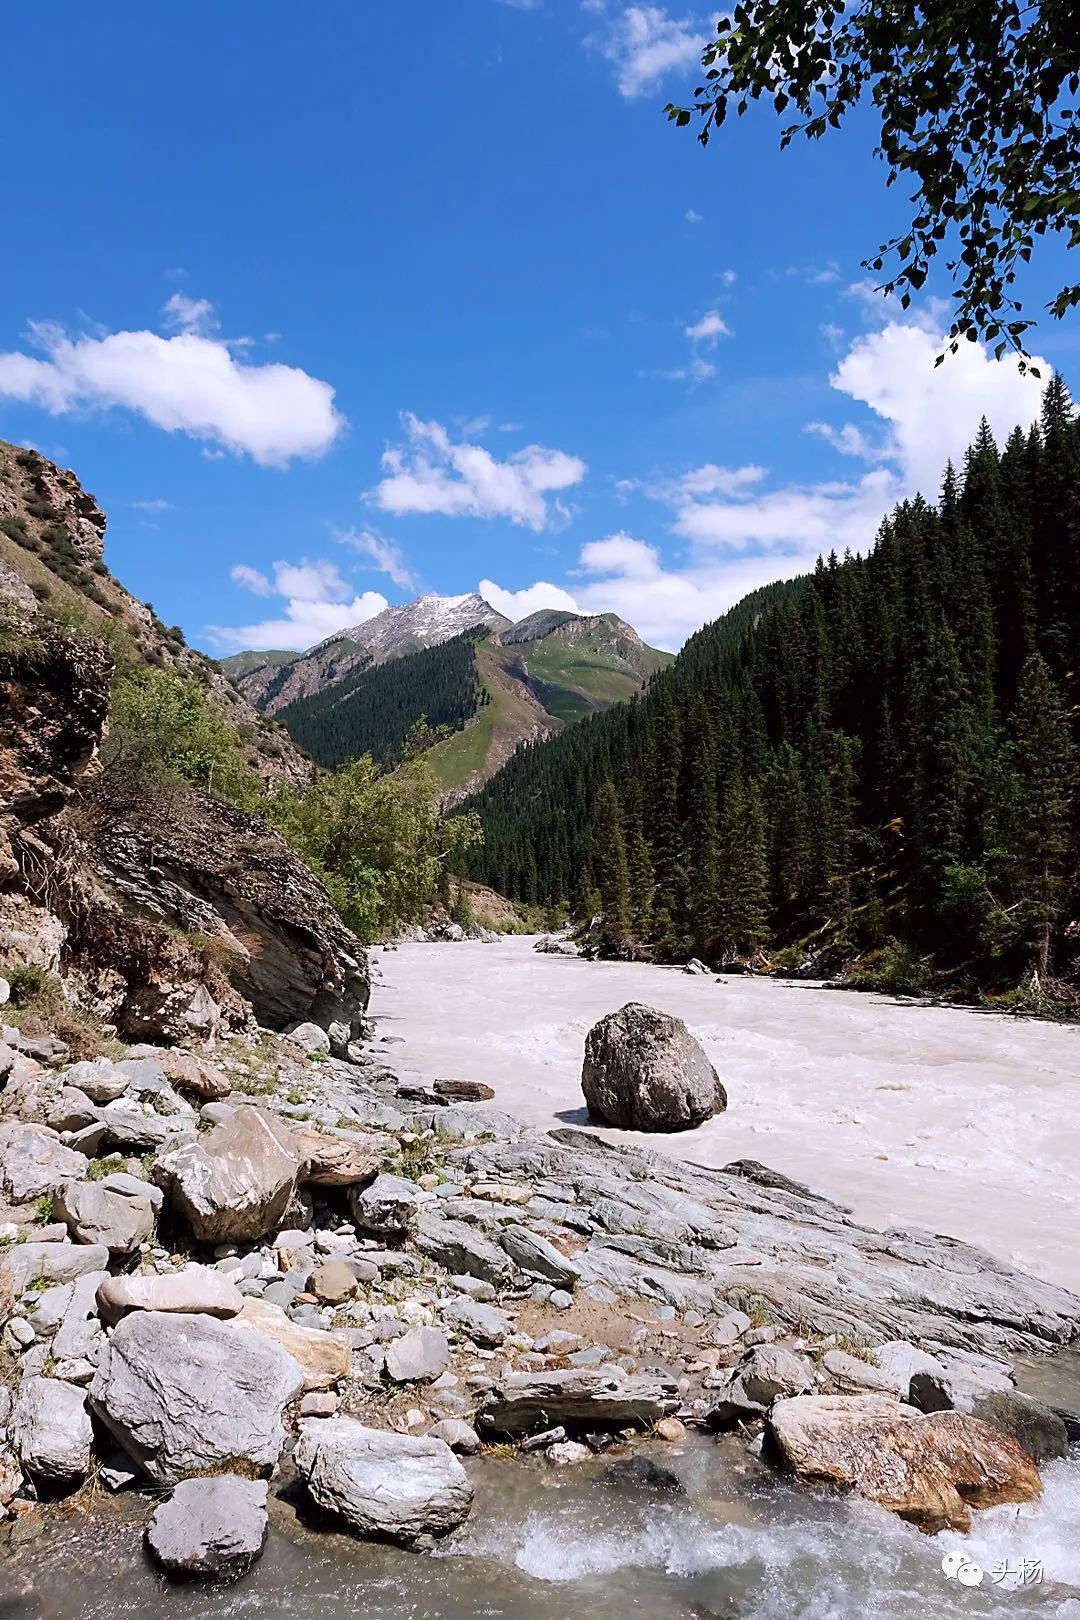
column 377, row 710
column 878, row 760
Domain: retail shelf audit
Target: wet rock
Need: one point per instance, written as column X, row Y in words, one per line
column 644, row 1071
column 483, row 1324
column 1036, row 1427
column 418, row 1357
column 574, row 1397
column 930, row 1469
column 643, row 1473
column 539, row 1258
column 96, row 1213
column 323, row 1359
column 212, row 1529
column 463, row 1090
column 51, row 1433
column 389, row 1486
column 196, row 1290
column 235, row 1183
column 568, row 1453
column 388, row 1208
column 189, row 1395
column 34, row 1163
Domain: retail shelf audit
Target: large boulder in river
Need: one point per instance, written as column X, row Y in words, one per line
column 644, row 1071
column 930, row 1469
column 210, row 1529
column 235, row 1183
column 188, row 1395
column 50, row 1430
column 394, row 1487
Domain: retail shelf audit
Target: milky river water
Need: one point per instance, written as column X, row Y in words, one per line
column 955, row 1120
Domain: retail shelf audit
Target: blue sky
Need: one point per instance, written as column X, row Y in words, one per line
column 329, row 305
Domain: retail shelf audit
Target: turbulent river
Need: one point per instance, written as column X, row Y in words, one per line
column 940, row 1118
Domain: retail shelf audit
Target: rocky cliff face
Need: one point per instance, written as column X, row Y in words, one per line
column 171, row 917
column 52, row 542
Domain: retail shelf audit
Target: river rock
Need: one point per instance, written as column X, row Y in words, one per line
column 194, row 1074
column 49, row 1263
column 644, row 1071
column 210, row 1529
column 189, row 1395
column 310, row 1039
column 323, row 1360
column 388, row 1208
column 577, row 1397
column 51, row 1433
column 643, row 1473
column 34, row 1163
column 99, row 1079
column 535, row 1255
column 235, row 1183
column 770, row 1373
column 930, row 1469
column 461, row 1248
column 463, row 1090
column 196, row 1290
column 333, row 1282
column 1038, row 1428
column 96, row 1213
column 330, row 1160
column 457, row 1434
column 483, row 1324
column 851, row 1375
column 394, row 1487
column 418, row 1357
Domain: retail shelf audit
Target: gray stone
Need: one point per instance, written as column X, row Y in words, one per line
column 474, row 1288
column 644, row 1071
column 456, row 1434
column 136, row 1130
column 72, row 1111
column 234, row 1184
column 134, row 1187
column 771, row 1373
column 898, row 1360
column 51, row 1433
column 188, row 1395
column 462, row 1249
column 34, row 1163
column 95, row 1213
column 213, row 1529
column 418, row 1357
column 99, row 1079
column 853, row 1376
column 386, row 1208
column 1037, row 1427
column 392, row 1487
column 51, row 1263
column 333, row 1282
column 310, row 1038
column 539, row 1258
column 481, row 1323
column 607, row 1398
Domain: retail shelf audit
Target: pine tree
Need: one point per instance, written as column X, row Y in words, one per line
column 612, row 872
column 1043, row 761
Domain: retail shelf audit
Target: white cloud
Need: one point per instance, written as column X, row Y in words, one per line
column 386, row 557
column 189, row 383
column 645, row 43
column 184, row 314
column 697, row 369
column 710, row 329
column 740, row 533
column 317, row 603
column 433, row 474
column 152, row 506
column 692, row 216
column 517, row 605
column 251, row 579
column 729, row 277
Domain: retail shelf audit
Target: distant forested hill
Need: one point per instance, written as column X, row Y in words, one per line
column 883, row 755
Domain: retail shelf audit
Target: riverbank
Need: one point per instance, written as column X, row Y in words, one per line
column 939, row 1117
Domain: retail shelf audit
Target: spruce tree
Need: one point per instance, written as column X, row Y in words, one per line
column 611, row 870
column 1043, row 761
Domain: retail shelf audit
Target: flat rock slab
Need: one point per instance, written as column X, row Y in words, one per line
column 188, row 1395
column 393, row 1487
column 210, row 1529
column 930, row 1469
column 600, row 1398
column 196, row 1291
column 50, row 1263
